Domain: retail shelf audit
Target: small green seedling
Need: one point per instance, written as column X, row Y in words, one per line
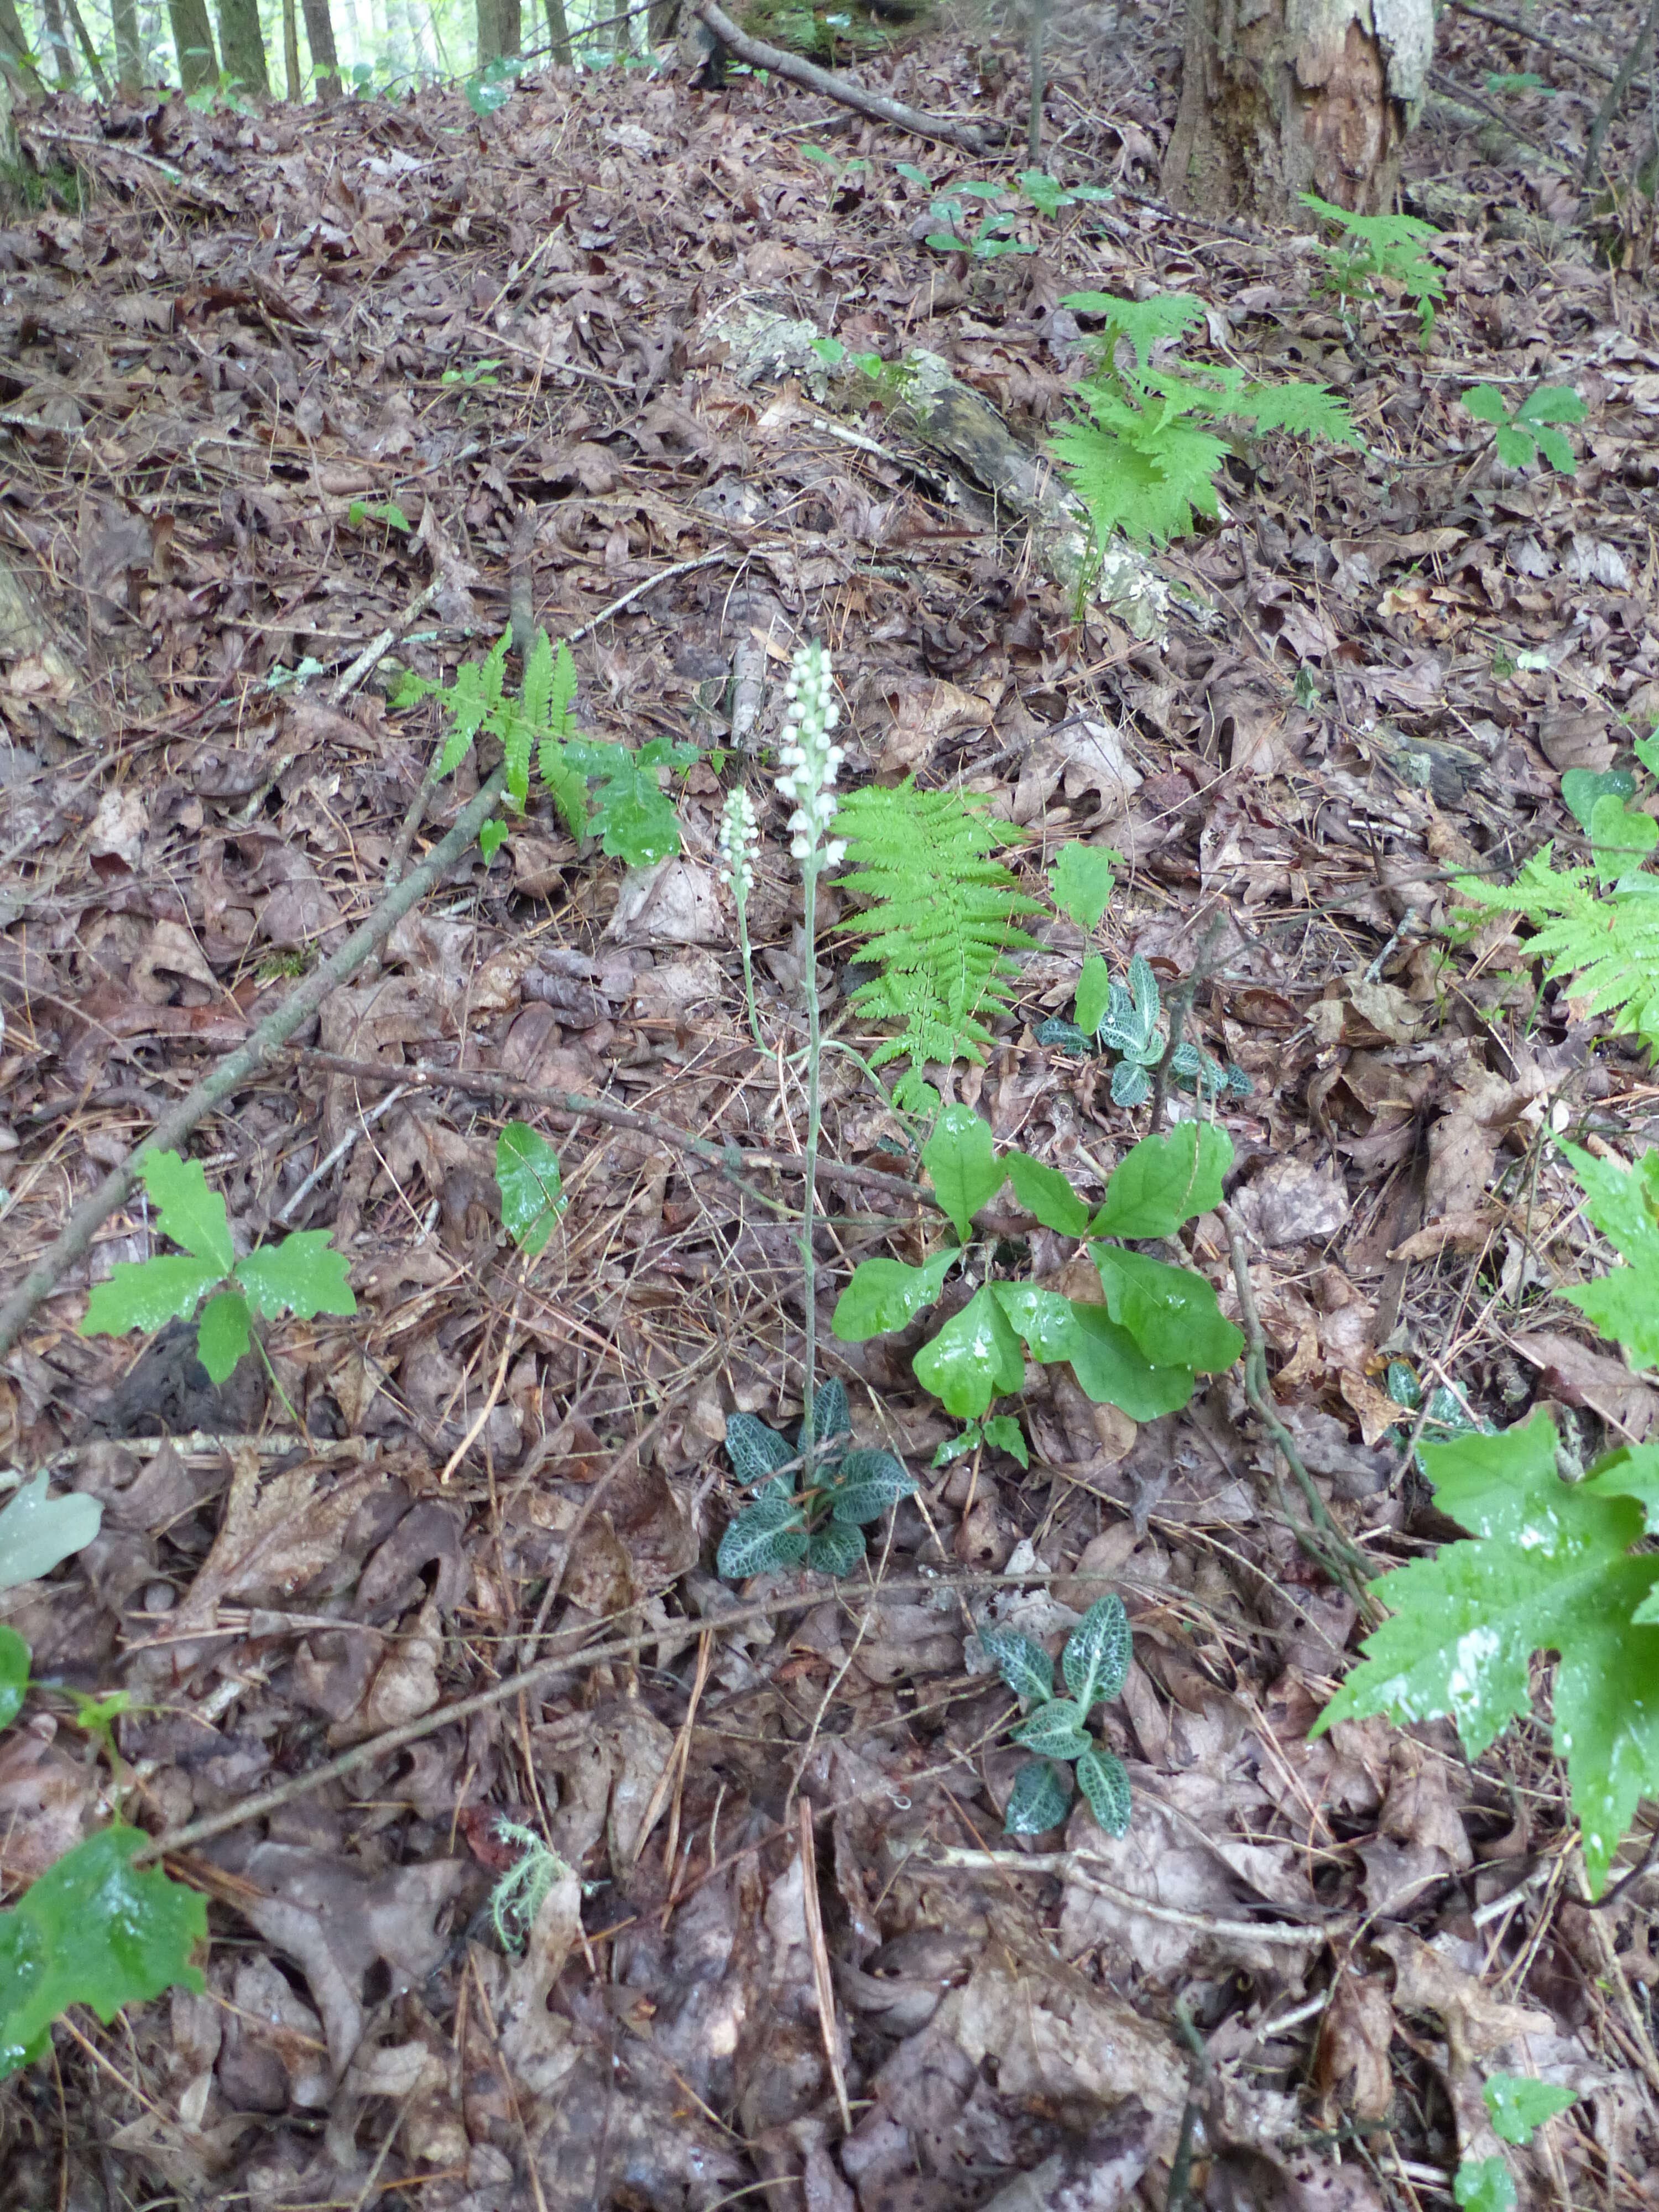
column 491, row 88
column 532, row 1192
column 1082, row 880
column 1000, row 1431
column 984, row 241
column 302, row 1275
column 1125, row 1018
column 1376, row 250
column 381, row 510
column 832, row 353
column 1518, row 2105
column 1501, row 81
column 1526, row 434
column 1094, row 1663
column 520, row 1893
column 1048, row 197
column 478, row 373
column 822, row 1525
column 836, row 170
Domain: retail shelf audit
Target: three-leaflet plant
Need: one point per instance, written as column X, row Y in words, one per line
column 302, row 1275
column 1145, row 459
column 1094, row 1663
column 1141, row 1348
column 817, row 1521
column 601, row 790
column 1529, row 430
column 940, row 918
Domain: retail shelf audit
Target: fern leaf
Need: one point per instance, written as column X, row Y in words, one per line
column 1144, row 477
column 1143, row 322
column 1311, row 408
column 941, row 921
column 1607, row 945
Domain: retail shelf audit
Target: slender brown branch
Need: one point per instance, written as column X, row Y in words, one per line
column 759, row 55
column 1642, row 45
column 75, row 1240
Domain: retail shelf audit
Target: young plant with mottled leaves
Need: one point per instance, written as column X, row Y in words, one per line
column 1125, row 1019
column 801, row 1518
column 1093, row 1666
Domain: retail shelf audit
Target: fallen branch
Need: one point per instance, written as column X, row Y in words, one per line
column 248, row 1060
column 759, row 55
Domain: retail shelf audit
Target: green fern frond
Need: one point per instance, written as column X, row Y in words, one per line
column 1608, row 944
column 1308, row 410
column 1143, row 322
column 941, row 919
column 1146, row 473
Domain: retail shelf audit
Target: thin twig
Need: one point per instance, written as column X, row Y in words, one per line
column 75, row 1240
column 1615, row 95
column 1075, row 1866
column 823, row 1986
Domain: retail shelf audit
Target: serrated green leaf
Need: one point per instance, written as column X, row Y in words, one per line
column 149, row 1293
column 93, row 1931
column 303, row 1275
column 1055, row 1730
column 1581, row 787
column 766, row 1536
column 1486, row 403
column 836, row 1548
column 884, row 1295
column 37, row 1532
column 14, row 1672
column 866, row 1484
column 1094, row 994
column 756, row 1451
column 1045, row 1191
column 1003, row 1431
column 1551, row 1568
column 1172, row 1314
column 1483, row 2185
column 632, row 816
column 1556, row 451
column 1515, row 447
column 1519, row 2105
column 491, row 837
column 1039, row 1799
column 1165, row 1181
column 1104, row 1782
column 533, row 1190
column 188, row 1213
column 222, row 1335
column 1098, row 1652
column 1024, row 1665
column 975, row 1357
column 1551, row 402
column 958, row 1155
column 1082, row 880
column 1624, row 1204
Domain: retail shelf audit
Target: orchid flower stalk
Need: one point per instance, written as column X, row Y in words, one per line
column 739, row 835
column 809, row 762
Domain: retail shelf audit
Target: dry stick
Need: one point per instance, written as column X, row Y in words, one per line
column 759, row 55
column 1328, row 1547
column 823, row 1987
column 575, row 1105
column 1616, row 91
column 247, row 1061
column 1077, row 1867
column 1590, row 67
column 528, row 1678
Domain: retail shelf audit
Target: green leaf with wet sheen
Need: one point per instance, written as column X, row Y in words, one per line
column 1163, row 1181
column 975, row 1357
column 1172, row 1314
column 958, row 1157
column 884, row 1295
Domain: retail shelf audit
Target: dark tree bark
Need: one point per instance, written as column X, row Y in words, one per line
column 1282, row 97
column 83, row 39
column 558, row 33
column 62, row 61
column 192, row 40
column 129, row 53
column 242, row 47
column 499, row 30
column 16, row 57
column 291, row 49
column 325, row 61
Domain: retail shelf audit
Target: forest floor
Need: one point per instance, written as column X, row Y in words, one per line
column 231, row 337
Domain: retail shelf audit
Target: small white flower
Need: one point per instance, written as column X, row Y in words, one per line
column 740, row 834
column 808, row 762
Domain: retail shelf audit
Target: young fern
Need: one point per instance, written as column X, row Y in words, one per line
column 1606, row 942
column 941, row 921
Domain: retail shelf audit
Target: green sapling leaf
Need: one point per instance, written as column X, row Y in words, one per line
column 1039, row 1799
column 303, row 1275
column 975, row 1357
column 1045, row 1191
column 1024, row 1665
column 1097, row 1651
column 1105, row 1786
column 532, row 1191
column 1624, row 1204
column 958, row 1155
column 1483, row 2185
column 1172, row 1314
column 1082, row 880
column 222, row 1335
column 146, row 1294
column 1094, row 994
column 1112, row 1370
column 1621, row 837
column 93, row 1931
column 1519, row 2104
column 1055, row 1730
column 1165, row 1181
column 884, row 1295
column 13, row 1675
column 188, row 1213
column 1004, row 1433
column 38, row 1532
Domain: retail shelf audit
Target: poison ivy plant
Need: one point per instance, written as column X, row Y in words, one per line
column 1529, row 430
column 1146, row 452
column 531, row 1190
column 1138, row 1349
column 820, row 1524
column 300, row 1275
column 627, row 811
column 1126, row 1019
column 1092, row 1667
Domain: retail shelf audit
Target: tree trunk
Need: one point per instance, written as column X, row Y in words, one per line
column 62, row 61
column 242, row 46
column 83, row 39
column 192, row 40
column 320, row 37
column 558, row 33
column 1280, row 97
column 291, row 49
column 500, row 32
column 129, row 54
column 17, row 56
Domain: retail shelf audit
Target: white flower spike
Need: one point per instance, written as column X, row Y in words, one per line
column 809, row 761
